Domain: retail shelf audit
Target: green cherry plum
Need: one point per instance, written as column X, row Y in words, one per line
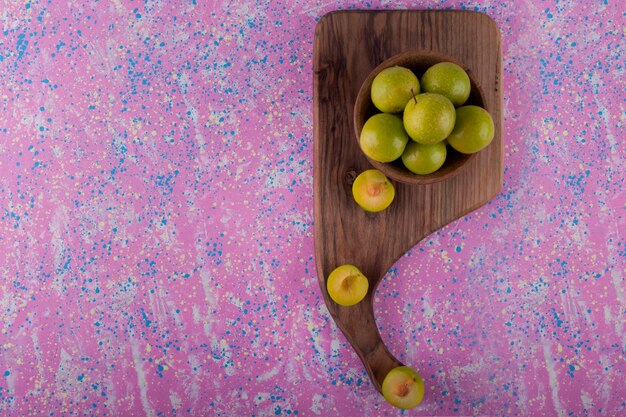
column 429, row 118
column 393, row 87
column 424, row 159
column 473, row 131
column 449, row 80
column 383, row 138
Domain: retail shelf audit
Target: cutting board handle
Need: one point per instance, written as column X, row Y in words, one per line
column 359, row 326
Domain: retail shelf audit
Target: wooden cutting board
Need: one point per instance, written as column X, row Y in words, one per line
column 348, row 45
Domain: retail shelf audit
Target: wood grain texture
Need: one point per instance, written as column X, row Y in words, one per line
column 348, row 45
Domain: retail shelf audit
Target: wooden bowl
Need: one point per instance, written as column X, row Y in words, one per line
column 417, row 61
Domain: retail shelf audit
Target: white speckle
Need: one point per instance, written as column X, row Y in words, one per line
column 554, row 385
column 587, row 400
column 175, row 400
column 316, row 404
column 141, row 378
column 269, row 374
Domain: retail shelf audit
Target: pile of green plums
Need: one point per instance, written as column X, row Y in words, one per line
column 418, row 118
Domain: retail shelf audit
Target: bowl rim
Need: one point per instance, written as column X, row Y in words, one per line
column 363, row 100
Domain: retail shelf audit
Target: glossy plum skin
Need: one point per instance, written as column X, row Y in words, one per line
column 473, row 131
column 424, row 159
column 449, row 80
column 393, row 87
column 383, row 137
column 429, row 118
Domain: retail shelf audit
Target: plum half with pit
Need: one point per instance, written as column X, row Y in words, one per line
column 347, row 285
column 373, row 191
column 403, row 387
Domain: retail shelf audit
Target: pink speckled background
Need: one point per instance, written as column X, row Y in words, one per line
column 156, row 221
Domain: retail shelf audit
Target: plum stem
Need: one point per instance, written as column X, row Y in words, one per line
column 413, row 94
